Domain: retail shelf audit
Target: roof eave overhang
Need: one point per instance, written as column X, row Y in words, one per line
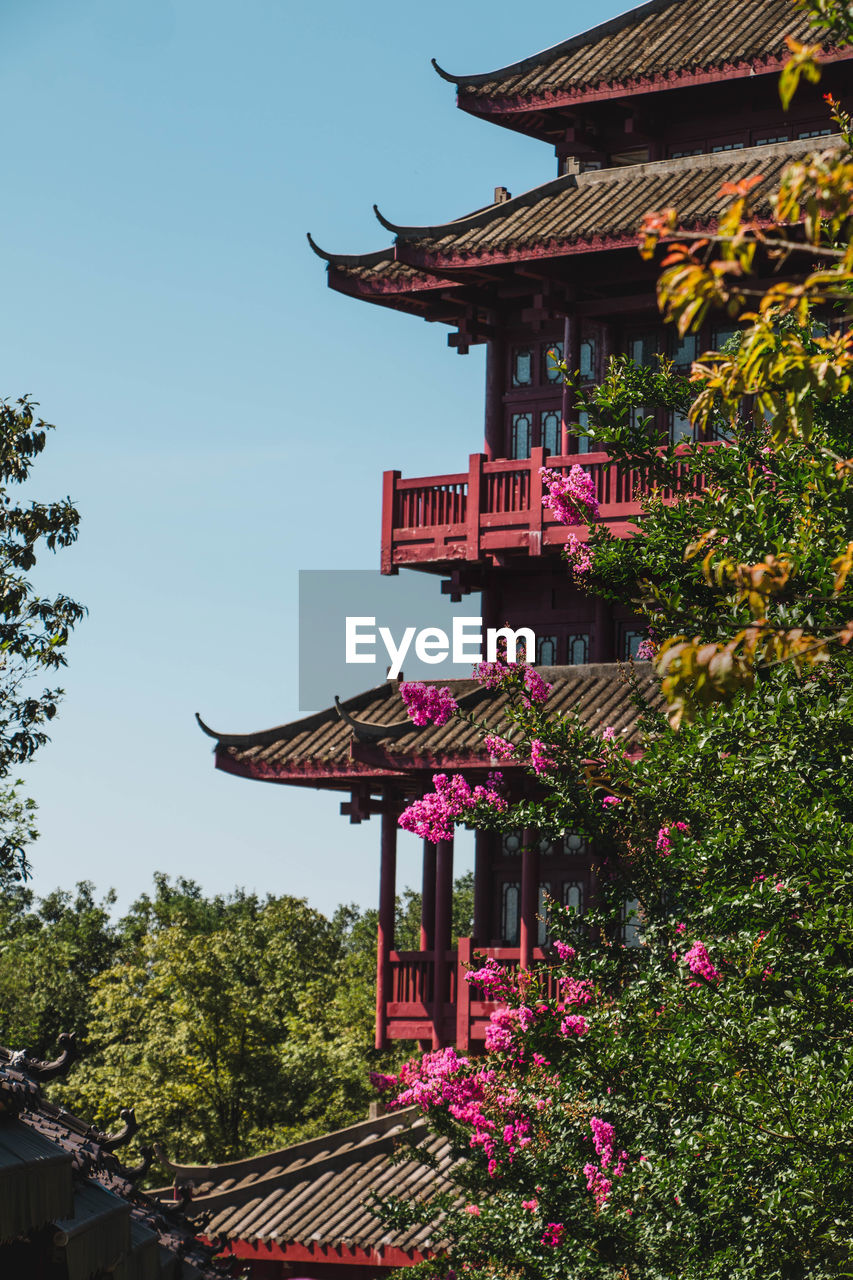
column 520, row 113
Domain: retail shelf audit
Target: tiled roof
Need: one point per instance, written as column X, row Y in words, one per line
column 64, row 1195
column 662, row 40
column 327, row 746
column 317, row 1193
column 597, row 210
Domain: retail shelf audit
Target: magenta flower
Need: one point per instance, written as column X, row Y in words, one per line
column 536, row 690
column 434, row 816
column 608, row 733
column 564, row 951
column 426, row 703
column 574, row 1025
column 473, row 1209
column 699, row 962
column 645, row 651
column 553, row 1234
column 540, row 757
column 610, row 801
column 498, row 748
column 530, row 1205
column 571, row 498
column 579, row 555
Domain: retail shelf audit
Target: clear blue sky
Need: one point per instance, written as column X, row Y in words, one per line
column 223, row 417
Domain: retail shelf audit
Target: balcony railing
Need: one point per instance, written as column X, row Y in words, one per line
column 497, row 507
column 461, row 1015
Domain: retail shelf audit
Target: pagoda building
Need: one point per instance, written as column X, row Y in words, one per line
column 658, row 107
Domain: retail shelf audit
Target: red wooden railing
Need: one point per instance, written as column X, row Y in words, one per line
column 497, row 506
column 462, row 1014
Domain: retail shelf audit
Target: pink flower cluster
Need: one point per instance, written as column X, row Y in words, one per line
column 608, row 733
column 540, row 757
column 699, row 962
column 535, row 690
column 553, row 1234
column 610, row 801
column 571, row 498
column 426, row 703
column 645, row 651
column 564, row 951
column 491, row 977
column 664, row 840
column 579, row 556
column 575, row 1024
column 498, row 748
column 574, row 991
column 603, row 1137
column 427, row 1082
column 500, row 1032
column 503, row 675
column 433, row 817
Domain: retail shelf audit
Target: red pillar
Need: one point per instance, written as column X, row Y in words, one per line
column 387, row 909
column 428, row 898
column 443, row 926
column 529, row 897
column 495, row 375
column 571, row 355
column 482, row 897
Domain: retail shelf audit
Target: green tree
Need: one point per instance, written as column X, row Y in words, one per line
column 49, row 955
column 34, row 630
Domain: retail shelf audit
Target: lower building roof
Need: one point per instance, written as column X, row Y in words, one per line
column 317, row 1195
column 370, row 736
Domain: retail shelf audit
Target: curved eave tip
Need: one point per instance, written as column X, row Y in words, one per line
column 383, row 221
column 321, row 253
column 211, row 733
column 445, row 75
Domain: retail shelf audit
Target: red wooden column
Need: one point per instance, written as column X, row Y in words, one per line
column 529, row 897
column 482, row 885
column 443, row 927
column 428, row 898
column 572, row 350
column 495, row 375
column 387, row 909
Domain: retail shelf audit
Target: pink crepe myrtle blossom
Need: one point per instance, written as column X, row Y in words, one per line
column 535, row 690
column 579, row 556
column 473, row 1209
column 540, row 757
column 498, row 748
column 610, row 801
column 574, row 1025
column 491, row 674
column 434, row 816
column 530, row 1205
column 664, row 840
column 608, row 733
column 491, row 977
column 500, row 1032
column 645, row 651
column 597, row 1183
column 571, row 498
column 575, row 991
column 699, row 962
column 426, row 703
column 553, row 1234
column 564, row 951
